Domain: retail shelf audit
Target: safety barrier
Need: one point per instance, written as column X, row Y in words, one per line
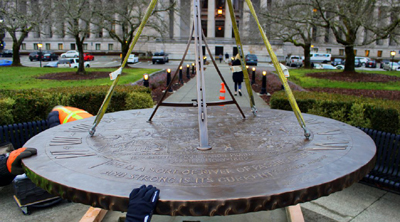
column 19, row 133
column 386, row 173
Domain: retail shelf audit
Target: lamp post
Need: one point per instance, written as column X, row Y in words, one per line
column 40, row 54
column 253, row 77
column 180, row 75
column 146, row 80
column 264, row 83
column 192, row 68
column 169, row 79
column 187, row 71
column 392, row 53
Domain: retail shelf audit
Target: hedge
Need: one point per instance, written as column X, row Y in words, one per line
column 378, row 114
column 34, row 104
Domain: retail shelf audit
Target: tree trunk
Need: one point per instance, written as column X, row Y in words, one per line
column 125, row 49
column 307, row 50
column 350, row 57
column 15, row 57
column 79, row 44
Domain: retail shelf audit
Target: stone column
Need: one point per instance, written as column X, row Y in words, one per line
column 245, row 21
column 177, row 22
column 228, row 23
column 211, row 19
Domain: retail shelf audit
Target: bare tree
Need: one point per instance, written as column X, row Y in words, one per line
column 128, row 15
column 346, row 18
column 77, row 14
column 292, row 22
column 19, row 18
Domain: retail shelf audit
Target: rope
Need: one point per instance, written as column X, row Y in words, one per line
column 282, row 77
column 107, row 99
column 242, row 62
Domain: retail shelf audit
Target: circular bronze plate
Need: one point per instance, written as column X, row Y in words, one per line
column 260, row 163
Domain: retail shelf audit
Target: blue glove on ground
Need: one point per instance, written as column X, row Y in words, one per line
column 142, row 202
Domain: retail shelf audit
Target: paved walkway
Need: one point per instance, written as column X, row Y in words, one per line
column 358, row 203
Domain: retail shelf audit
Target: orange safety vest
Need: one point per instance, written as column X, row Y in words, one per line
column 68, row 114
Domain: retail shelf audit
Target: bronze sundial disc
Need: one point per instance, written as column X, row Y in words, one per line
column 259, row 163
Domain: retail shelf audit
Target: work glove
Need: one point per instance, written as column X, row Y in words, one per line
column 142, row 202
column 14, row 164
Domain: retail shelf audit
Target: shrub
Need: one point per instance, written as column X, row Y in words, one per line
column 6, row 116
column 371, row 113
column 34, row 104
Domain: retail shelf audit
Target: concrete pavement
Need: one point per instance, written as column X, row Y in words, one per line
column 356, row 203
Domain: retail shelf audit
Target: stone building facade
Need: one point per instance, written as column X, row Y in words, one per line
column 217, row 26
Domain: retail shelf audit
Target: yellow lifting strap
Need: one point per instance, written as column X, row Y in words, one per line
column 282, row 77
column 243, row 64
column 107, row 99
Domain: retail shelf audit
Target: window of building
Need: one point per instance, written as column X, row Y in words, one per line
column 85, row 46
column 98, row 46
column 204, row 4
column 60, row 46
column 35, row 46
column 110, row 47
column 73, row 46
column 204, row 26
column 23, row 46
column 367, row 53
column 379, row 53
column 100, row 34
column 379, row 42
column 220, row 28
column 113, row 27
column 355, row 51
column 314, row 49
column 341, row 52
column 48, row 46
column 220, row 4
column 329, row 51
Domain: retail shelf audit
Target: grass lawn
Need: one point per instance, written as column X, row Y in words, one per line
column 24, row 77
column 299, row 77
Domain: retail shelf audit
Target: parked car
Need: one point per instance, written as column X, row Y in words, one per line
column 324, row 66
column 160, row 57
column 294, row 60
column 391, row 66
column 357, row 62
column 4, row 62
column 51, row 65
column 70, row 54
column 133, row 59
column 71, row 63
column 370, row 64
column 251, row 59
column 385, row 61
column 36, row 56
column 88, row 57
column 7, row 53
column 363, row 60
column 49, row 56
column 340, row 67
column 337, row 61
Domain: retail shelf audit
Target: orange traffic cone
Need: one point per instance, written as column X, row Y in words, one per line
column 222, row 92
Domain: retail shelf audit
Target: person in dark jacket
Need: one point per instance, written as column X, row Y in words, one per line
column 237, row 75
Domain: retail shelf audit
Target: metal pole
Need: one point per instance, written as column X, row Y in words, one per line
column 264, row 84
column 169, row 80
column 201, row 94
column 180, row 76
column 187, row 71
column 253, row 77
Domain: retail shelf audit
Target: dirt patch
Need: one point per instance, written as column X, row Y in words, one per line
column 353, row 77
column 74, row 76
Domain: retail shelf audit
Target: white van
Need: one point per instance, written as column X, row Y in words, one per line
column 320, row 57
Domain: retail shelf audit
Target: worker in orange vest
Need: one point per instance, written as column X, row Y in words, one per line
column 65, row 114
